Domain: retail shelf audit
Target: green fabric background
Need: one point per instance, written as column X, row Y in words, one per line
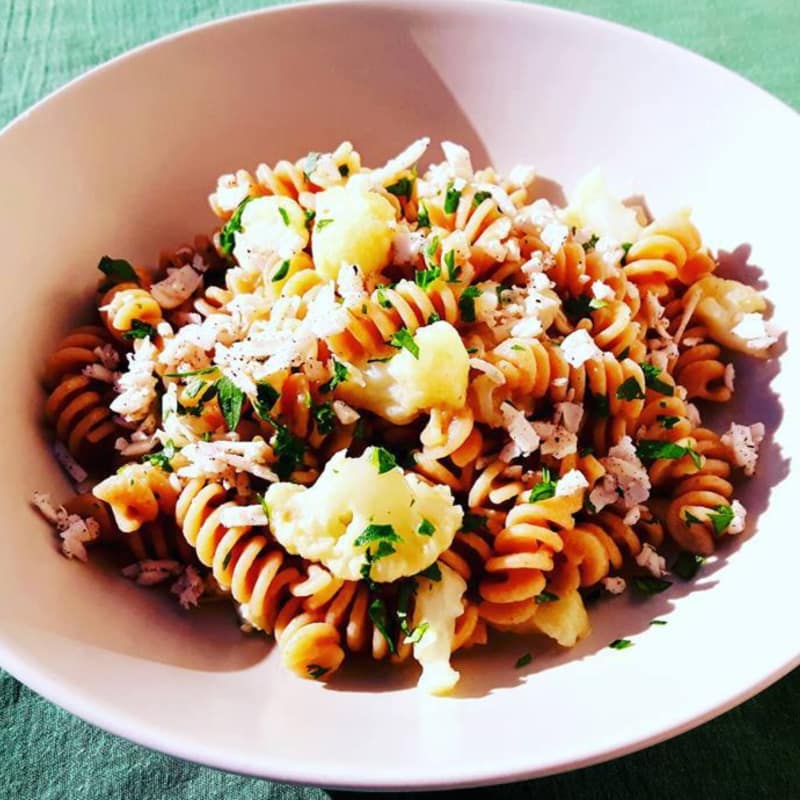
column 751, row 752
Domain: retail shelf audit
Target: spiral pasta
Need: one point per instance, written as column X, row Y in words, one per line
column 387, row 411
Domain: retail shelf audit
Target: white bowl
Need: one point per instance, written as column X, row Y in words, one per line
column 121, row 161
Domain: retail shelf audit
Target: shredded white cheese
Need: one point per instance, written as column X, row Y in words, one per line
column 755, row 331
column 571, row 483
column 743, row 441
column 177, row 287
column 150, row 572
column 75, row 531
column 189, row 588
column 650, row 560
column 243, row 516
column 626, row 478
column 739, row 518
column 579, row 347
column 520, row 430
column 137, row 386
column 614, row 585
column 218, row 459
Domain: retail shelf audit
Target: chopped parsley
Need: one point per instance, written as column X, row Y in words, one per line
column 310, row 214
column 621, row 644
column 480, row 197
column 652, row 449
column 228, row 557
column 647, row 584
column 452, row 270
column 281, row 272
column 139, row 330
column 630, row 389
column 545, row 489
column 324, row 418
column 721, row 517
column 416, row 635
column 285, row 216
column 523, row 661
column 404, row 339
column 116, row 270
column 231, row 398
column 227, row 236
column 266, row 397
column 191, row 373
column 340, row 375
column 315, row 671
column 383, row 300
column 431, row 248
column 401, row 188
column 425, row 277
column 377, row 533
column 668, row 421
column 384, row 460
column 591, row 244
column 451, row 198
column 432, row 573
column 691, row 519
column 426, row 528
column 473, row 522
column 582, row 305
column 378, row 615
column 323, row 223
column 289, row 449
column 545, row 597
column 687, row 565
column 263, row 503
column 423, row 219
column 598, row 404
column 162, row 459
column 434, row 317
column 466, row 303
column 626, row 246
column 652, row 381
column 658, row 622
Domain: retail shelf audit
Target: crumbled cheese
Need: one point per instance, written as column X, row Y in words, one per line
column 579, row 347
column 729, row 377
column 632, row 515
column 231, row 190
column 108, row 356
column 743, row 441
column 394, row 166
column 500, row 197
column 556, row 440
column 650, row 560
column 326, row 171
column 755, row 332
column 69, row 464
column 570, row 414
column 218, row 459
column 519, row 429
column 693, row 415
column 137, row 386
column 406, row 245
column 150, row 572
column 458, row 159
column 345, row 413
column 739, row 518
column 522, row 175
column 614, row 585
column 177, row 287
column 571, row 483
column 350, row 284
column 602, row 291
column 243, row 516
column 100, row 373
column 189, row 588
column 609, row 250
column 626, row 478
column 554, row 235
column 75, row 531
column 186, row 351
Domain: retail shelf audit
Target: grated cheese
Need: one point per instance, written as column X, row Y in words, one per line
column 243, row 516
column 177, row 287
column 150, row 572
column 573, row 482
column 614, row 585
column 522, row 433
column 579, row 347
column 219, row 459
column 626, row 478
column 743, row 441
column 739, row 518
column 650, row 560
column 137, row 386
column 189, row 588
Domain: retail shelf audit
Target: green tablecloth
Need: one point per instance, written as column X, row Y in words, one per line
column 751, row 752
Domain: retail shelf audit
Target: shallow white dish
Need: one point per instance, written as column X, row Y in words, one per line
column 121, row 161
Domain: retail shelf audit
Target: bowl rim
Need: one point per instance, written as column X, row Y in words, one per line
column 74, row 700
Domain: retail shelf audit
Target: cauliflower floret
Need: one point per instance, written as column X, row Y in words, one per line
column 353, row 226
column 269, row 225
column 356, row 519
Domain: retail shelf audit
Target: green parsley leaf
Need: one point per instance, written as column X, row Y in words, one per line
column 401, row 188
column 416, row 635
column 285, row 216
column 231, row 398
column 545, row 489
column 621, row 644
column 384, row 460
column 480, row 197
column 423, row 219
column 582, row 305
column 323, row 223
column 658, row 622
column 426, row 528
column 451, row 198
column 452, row 270
column 227, row 559
column 281, row 272
column 310, row 218
column 647, row 584
column 630, row 389
column 652, row 381
column 405, row 592
column 315, row 671
column 691, row 519
column 668, row 422
column 191, row 373
column 403, row 338
column 289, row 449
column 545, row 597
column 598, row 404
column 626, row 246
column 721, row 517
column 473, row 522
column 263, row 503
column 425, row 277
column 116, row 270
column 585, row 451
column 266, row 397
column 377, row 533
column 466, row 303
column 434, row 317
column 377, row 613
column 432, row 573
column 227, row 235
column 383, row 300
column 324, row 417
column 591, row 244
column 523, row 661
column 139, row 330
column 652, row 449
column 340, row 375
column 162, row 459
column 687, row 565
